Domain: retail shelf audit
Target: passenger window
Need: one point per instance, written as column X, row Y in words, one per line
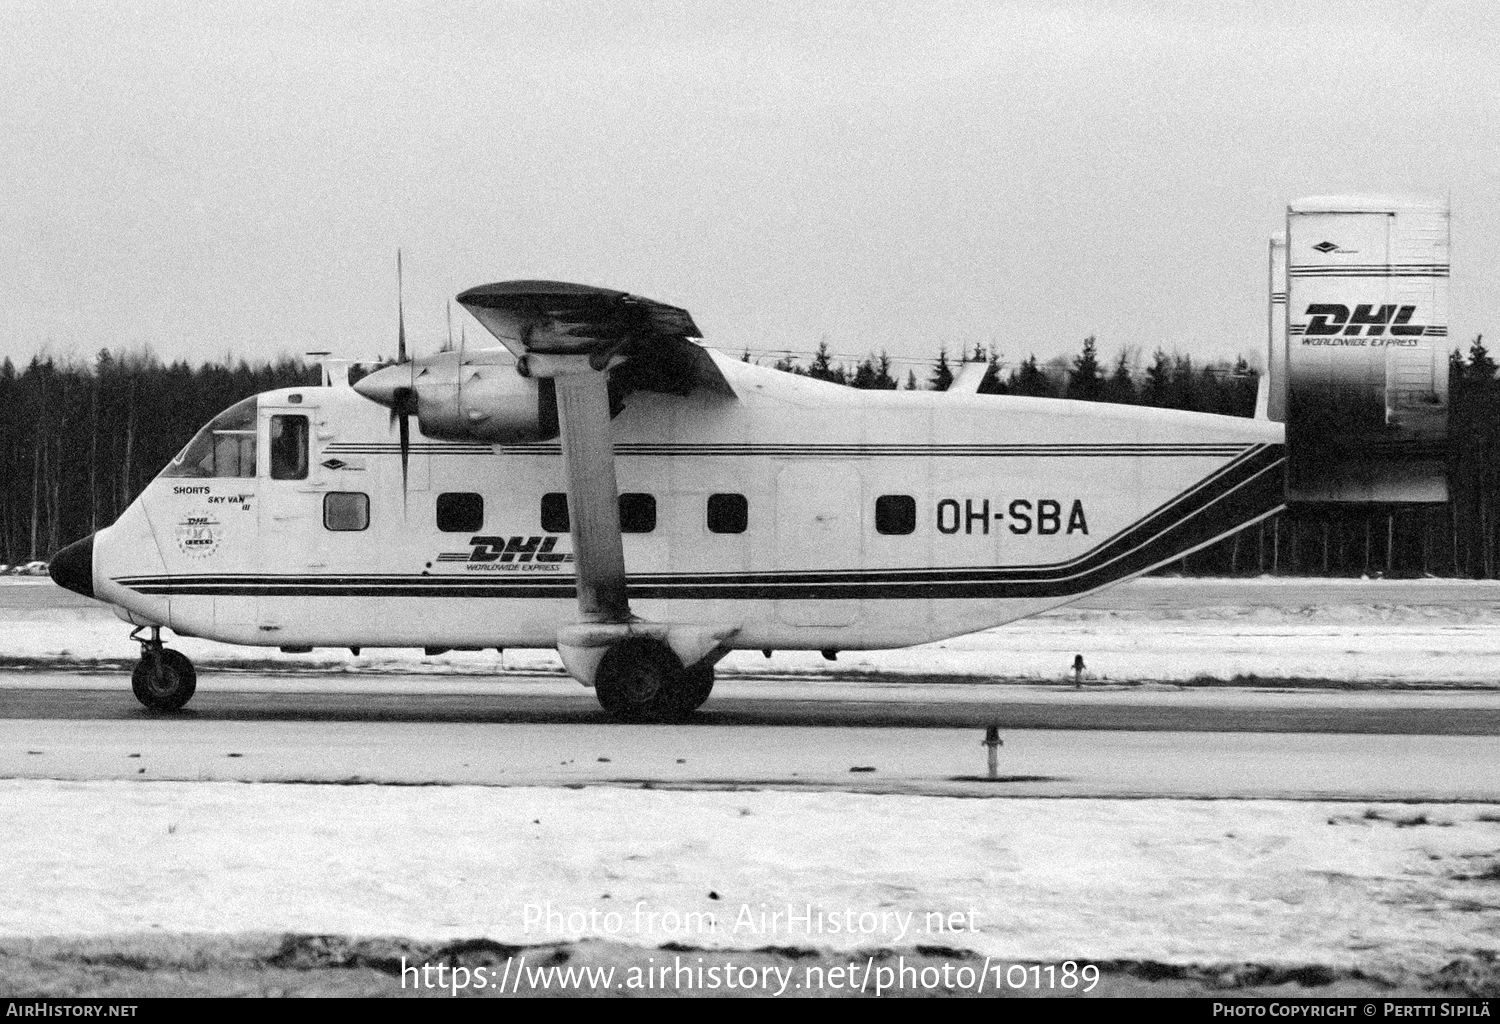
column 223, row 448
column 460, row 512
column 895, row 514
column 289, row 448
column 728, row 513
column 346, row 510
column 555, row 513
column 637, row 513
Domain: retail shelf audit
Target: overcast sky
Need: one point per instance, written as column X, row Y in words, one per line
column 224, row 177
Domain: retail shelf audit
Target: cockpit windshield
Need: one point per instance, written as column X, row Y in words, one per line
column 224, row 448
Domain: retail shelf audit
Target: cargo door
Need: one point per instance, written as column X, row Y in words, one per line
column 819, row 529
column 291, row 487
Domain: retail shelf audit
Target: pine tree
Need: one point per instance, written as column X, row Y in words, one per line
column 822, row 367
column 1158, row 380
column 1120, row 387
column 942, row 373
column 1182, row 392
column 1084, row 381
column 992, row 384
column 1481, row 368
column 1029, row 379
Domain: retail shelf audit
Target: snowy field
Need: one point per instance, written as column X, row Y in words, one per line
column 1374, row 887
column 1423, row 633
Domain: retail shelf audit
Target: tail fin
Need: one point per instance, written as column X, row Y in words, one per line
column 1357, row 349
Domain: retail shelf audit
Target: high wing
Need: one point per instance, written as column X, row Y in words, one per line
column 648, row 341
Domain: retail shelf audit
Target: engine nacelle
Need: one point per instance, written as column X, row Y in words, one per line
column 476, row 396
column 487, row 400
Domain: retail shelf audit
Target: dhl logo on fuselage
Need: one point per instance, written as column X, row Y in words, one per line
column 487, row 551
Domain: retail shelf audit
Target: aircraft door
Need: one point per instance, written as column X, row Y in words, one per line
column 819, row 527
column 291, row 501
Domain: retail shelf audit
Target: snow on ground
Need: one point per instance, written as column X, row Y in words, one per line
column 1199, row 881
column 1160, row 629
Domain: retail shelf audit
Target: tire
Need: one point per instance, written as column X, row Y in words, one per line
column 694, row 686
column 638, row 680
column 165, row 681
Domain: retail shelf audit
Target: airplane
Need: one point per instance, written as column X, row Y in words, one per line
column 601, row 484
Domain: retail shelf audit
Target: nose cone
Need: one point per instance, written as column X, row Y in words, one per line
column 73, row 567
column 381, row 386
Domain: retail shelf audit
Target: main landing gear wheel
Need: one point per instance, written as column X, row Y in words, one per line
column 637, row 679
column 697, row 683
column 163, row 680
column 640, row 679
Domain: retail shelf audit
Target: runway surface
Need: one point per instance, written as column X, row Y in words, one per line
column 523, row 699
column 901, row 738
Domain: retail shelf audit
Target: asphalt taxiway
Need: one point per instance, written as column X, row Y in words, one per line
column 1209, row 743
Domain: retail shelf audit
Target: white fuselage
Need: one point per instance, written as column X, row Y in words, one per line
column 1013, row 505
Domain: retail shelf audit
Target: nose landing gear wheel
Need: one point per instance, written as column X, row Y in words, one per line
column 163, row 680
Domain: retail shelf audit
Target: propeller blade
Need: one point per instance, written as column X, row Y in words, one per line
column 462, row 340
column 405, row 453
column 403, row 408
column 400, row 315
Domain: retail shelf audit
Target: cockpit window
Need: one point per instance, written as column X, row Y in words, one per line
column 224, row 448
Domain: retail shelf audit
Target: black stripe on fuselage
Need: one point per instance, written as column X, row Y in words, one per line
column 831, row 451
column 1246, row 489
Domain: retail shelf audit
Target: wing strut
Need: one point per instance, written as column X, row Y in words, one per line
column 593, row 494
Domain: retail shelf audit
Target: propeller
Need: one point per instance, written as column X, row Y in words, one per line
column 404, row 400
column 400, row 315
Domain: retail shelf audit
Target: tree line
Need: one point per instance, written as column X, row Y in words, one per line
column 1169, row 381
column 79, row 440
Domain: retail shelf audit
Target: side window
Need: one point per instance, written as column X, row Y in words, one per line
column 346, row 510
column 289, row 448
column 728, row 513
column 895, row 514
column 637, row 513
column 460, row 512
column 555, row 513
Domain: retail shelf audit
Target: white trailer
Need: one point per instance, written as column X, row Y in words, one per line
column 1366, row 393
